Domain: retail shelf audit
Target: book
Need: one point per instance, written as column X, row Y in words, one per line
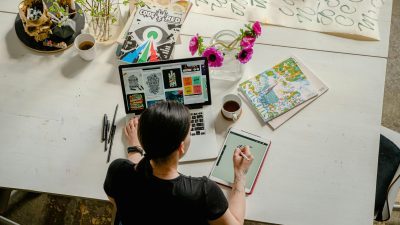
column 152, row 34
column 318, row 85
column 278, row 90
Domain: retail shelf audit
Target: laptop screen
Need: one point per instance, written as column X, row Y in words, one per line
column 182, row 80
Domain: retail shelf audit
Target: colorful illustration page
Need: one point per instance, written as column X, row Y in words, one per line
column 292, row 88
column 152, row 35
column 181, row 82
column 357, row 19
column 224, row 165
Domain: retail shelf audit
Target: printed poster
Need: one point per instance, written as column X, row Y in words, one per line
column 357, row 19
column 152, row 35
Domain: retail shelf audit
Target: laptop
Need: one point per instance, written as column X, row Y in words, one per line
column 183, row 80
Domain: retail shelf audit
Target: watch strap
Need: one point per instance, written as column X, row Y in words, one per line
column 137, row 149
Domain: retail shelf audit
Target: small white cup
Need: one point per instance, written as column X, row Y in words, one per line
column 87, row 54
column 231, row 107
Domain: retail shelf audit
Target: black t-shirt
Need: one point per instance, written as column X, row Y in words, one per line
column 142, row 198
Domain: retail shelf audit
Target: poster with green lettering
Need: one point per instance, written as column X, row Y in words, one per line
column 152, row 34
column 356, row 19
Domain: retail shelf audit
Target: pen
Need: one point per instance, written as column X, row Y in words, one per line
column 244, row 156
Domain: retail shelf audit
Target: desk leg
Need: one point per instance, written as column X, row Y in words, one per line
column 6, row 221
column 4, row 198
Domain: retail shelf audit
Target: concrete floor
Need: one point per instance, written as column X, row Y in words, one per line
column 37, row 209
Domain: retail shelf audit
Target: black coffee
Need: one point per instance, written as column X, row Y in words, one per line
column 231, row 106
column 86, row 45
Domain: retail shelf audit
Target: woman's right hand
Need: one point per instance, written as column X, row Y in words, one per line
column 240, row 164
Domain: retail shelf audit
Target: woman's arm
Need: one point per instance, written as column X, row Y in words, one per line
column 237, row 197
column 132, row 139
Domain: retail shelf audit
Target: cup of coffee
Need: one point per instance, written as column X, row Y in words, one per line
column 85, row 45
column 231, row 107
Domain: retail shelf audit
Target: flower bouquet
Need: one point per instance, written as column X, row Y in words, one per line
column 240, row 45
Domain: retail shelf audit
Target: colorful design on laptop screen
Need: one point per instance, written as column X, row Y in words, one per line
column 184, row 82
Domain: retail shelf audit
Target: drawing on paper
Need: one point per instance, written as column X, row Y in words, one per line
column 356, row 19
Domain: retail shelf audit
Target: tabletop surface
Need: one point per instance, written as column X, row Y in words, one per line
column 322, row 163
column 281, row 36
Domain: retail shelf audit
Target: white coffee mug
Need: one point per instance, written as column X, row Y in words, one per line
column 82, row 45
column 231, row 107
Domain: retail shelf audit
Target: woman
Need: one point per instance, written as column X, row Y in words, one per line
column 150, row 190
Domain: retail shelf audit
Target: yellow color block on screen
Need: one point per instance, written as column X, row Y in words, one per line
column 188, row 90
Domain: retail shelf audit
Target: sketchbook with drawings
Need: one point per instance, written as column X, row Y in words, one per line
column 279, row 93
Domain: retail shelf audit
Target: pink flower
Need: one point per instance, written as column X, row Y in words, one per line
column 215, row 57
column 194, row 44
column 257, row 28
column 247, row 41
column 245, row 55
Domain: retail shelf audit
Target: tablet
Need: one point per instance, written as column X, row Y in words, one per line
column 222, row 171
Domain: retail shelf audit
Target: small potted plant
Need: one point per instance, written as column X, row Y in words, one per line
column 102, row 16
column 61, row 12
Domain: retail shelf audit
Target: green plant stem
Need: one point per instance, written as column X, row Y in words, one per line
column 228, row 47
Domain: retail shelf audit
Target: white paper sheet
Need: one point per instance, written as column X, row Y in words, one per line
column 357, row 19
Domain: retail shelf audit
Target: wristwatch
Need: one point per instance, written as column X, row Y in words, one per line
column 136, row 149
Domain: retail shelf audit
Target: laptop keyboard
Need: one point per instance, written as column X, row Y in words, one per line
column 197, row 124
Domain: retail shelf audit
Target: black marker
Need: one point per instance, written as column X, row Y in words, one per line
column 104, row 134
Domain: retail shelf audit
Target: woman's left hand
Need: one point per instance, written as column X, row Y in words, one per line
column 131, row 132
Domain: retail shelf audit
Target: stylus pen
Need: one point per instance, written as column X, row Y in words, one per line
column 244, row 156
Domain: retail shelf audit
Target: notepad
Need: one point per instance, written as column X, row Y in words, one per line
column 222, row 171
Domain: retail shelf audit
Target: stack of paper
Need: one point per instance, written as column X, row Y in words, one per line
column 280, row 92
column 151, row 32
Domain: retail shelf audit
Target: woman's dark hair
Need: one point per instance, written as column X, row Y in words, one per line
column 162, row 128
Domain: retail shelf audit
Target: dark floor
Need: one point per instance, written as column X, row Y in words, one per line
column 37, row 209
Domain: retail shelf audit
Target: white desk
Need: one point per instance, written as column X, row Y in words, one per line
column 281, row 36
column 322, row 163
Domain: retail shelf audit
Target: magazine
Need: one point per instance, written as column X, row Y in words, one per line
column 152, row 34
column 278, row 90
